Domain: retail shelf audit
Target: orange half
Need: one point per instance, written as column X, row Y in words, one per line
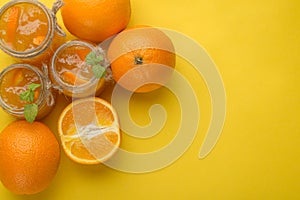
column 89, row 131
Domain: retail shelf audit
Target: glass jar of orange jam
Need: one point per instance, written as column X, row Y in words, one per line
column 71, row 74
column 15, row 79
column 29, row 31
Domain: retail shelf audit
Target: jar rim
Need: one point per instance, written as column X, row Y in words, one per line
column 38, row 72
column 46, row 42
column 73, row 88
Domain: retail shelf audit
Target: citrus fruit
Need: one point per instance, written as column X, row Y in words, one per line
column 142, row 58
column 95, row 20
column 89, row 130
column 29, row 157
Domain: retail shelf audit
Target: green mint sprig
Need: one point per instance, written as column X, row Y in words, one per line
column 31, row 109
column 94, row 60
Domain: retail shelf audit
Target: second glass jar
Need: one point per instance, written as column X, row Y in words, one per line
column 71, row 74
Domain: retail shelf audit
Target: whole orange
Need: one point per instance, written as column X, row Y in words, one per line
column 142, row 58
column 29, row 157
column 95, row 20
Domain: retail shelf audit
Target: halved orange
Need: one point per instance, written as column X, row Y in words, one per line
column 89, row 130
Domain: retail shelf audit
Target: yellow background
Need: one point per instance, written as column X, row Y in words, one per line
column 256, row 46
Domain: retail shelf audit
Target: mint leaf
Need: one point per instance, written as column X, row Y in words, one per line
column 24, row 96
column 99, row 58
column 33, row 86
column 28, row 95
column 94, row 60
column 91, row 58
column 99, row 71
column 30, row 112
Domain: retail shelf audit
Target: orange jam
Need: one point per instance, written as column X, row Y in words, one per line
column 14, row 83
column 71, row 67
column 14, row 80
column 27, row 31
column 70, row 71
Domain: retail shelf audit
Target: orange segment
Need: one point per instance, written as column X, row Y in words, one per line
column 89, row 131
column 72, row 79
column 12, row 24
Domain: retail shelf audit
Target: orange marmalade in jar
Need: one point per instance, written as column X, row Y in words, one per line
column 15, row 79
column 70, row 72
column 29, row 31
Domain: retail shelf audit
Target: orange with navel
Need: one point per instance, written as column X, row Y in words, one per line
column 142, row 58
column 95, row 20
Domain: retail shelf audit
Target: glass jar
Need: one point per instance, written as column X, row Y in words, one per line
column 29, row 31
column 15, row 79
column 71, row 74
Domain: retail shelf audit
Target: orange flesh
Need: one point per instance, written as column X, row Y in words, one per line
column 14, row 83
column 78, row 148
column 71, row 67
column 23, row 27
column 84, row 114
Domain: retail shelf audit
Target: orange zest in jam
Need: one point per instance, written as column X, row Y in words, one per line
column 70, row 78
column 12, row 23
